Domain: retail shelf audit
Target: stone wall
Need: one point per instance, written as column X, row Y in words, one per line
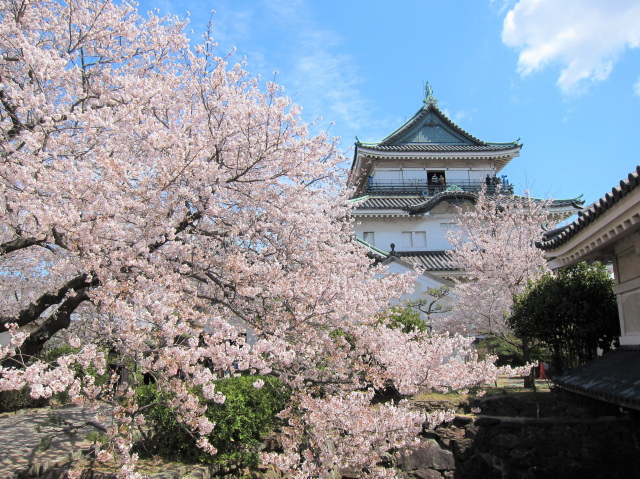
column 555, row 435
column 573, row 437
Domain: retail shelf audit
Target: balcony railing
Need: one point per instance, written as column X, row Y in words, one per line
column 424, row 188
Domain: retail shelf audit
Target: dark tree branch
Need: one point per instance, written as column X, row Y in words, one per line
column 52, row 324
column 33, row 311
column 18, row 244
column 184, row 224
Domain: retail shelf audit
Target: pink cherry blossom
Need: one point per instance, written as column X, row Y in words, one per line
column 158, row 202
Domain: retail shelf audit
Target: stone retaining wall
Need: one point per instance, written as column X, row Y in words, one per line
column 557, row 435
column 583, row 439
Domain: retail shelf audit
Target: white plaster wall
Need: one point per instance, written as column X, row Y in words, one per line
column 389, row 230
column 421, row 287
column 627, row 289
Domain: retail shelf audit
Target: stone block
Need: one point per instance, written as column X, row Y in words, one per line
column 428, row 455
column 463, row 449
column 507, row 441
column 427, row 474
column 462, row 421
column 487, row 421
column 482, row 466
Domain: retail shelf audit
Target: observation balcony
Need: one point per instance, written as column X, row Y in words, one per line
column 427, row 188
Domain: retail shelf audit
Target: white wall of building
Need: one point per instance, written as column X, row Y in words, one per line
column 398, row 173
column 387, row 230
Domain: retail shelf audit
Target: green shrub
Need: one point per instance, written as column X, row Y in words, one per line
column 403, row 317
column 20, row 399
column 245, row 417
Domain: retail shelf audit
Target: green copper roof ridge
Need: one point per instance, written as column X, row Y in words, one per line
column 371, row 247
column 495, row 143
column 425, row 108
column 376, row 143
column 553, row 200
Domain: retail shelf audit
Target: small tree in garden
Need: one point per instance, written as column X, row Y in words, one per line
column 573, row 312
column 494, row 244
column 161, row 192
column 403, row 317
column 438, row 304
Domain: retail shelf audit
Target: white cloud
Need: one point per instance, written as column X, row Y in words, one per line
column 461, row 116
column 501, row 5
column 586, row 37
column 322, row 74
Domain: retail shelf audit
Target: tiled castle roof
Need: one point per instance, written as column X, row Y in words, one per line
column 429, row 260
column 420, row 116
column 441, row 136
column 613, row 377
column 387, row 202
column 436, row 147
column 426, row 205
column 416, row 204
column 558, row 237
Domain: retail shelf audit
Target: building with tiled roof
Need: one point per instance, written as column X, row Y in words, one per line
column 408, row 185
column 608, row 231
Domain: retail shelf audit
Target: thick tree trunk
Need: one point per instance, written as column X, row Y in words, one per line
column 530, row 379
column 60, row 319
column 32, row 311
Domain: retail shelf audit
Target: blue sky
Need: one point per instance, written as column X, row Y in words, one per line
column 562, row 75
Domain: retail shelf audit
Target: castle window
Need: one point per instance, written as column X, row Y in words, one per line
column 414, row 239
column 369, row 237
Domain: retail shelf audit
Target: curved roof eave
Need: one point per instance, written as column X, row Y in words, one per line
column 442, row 196
column 591, row 213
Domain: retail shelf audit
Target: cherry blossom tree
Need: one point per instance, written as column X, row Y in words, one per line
column 494, row 243
column 161, row 192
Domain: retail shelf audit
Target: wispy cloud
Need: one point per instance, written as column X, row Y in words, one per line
column 461, row 116
column 322, row 73
column 585, row 37
column 501, row 5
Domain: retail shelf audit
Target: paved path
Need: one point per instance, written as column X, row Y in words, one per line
column 23, row 432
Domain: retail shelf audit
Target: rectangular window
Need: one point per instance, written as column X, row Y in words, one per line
column 369, row 237
column 414, row 239
column 420, row 239
column 434, row 177
column 414, row 177
column 407, row 240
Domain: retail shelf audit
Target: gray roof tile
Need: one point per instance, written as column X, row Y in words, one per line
column 554, row 239
column 429, row 260
column 614, row 377
column 437, row 147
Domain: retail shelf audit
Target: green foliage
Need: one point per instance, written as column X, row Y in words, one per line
column 509, row 351
column 348, row 337
column 21, row 399
column 403, row 317
column 434, row 305
column 573, row 313
column 240, row 423
column 508, row 354
column 97, row 437
column 45, row 443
